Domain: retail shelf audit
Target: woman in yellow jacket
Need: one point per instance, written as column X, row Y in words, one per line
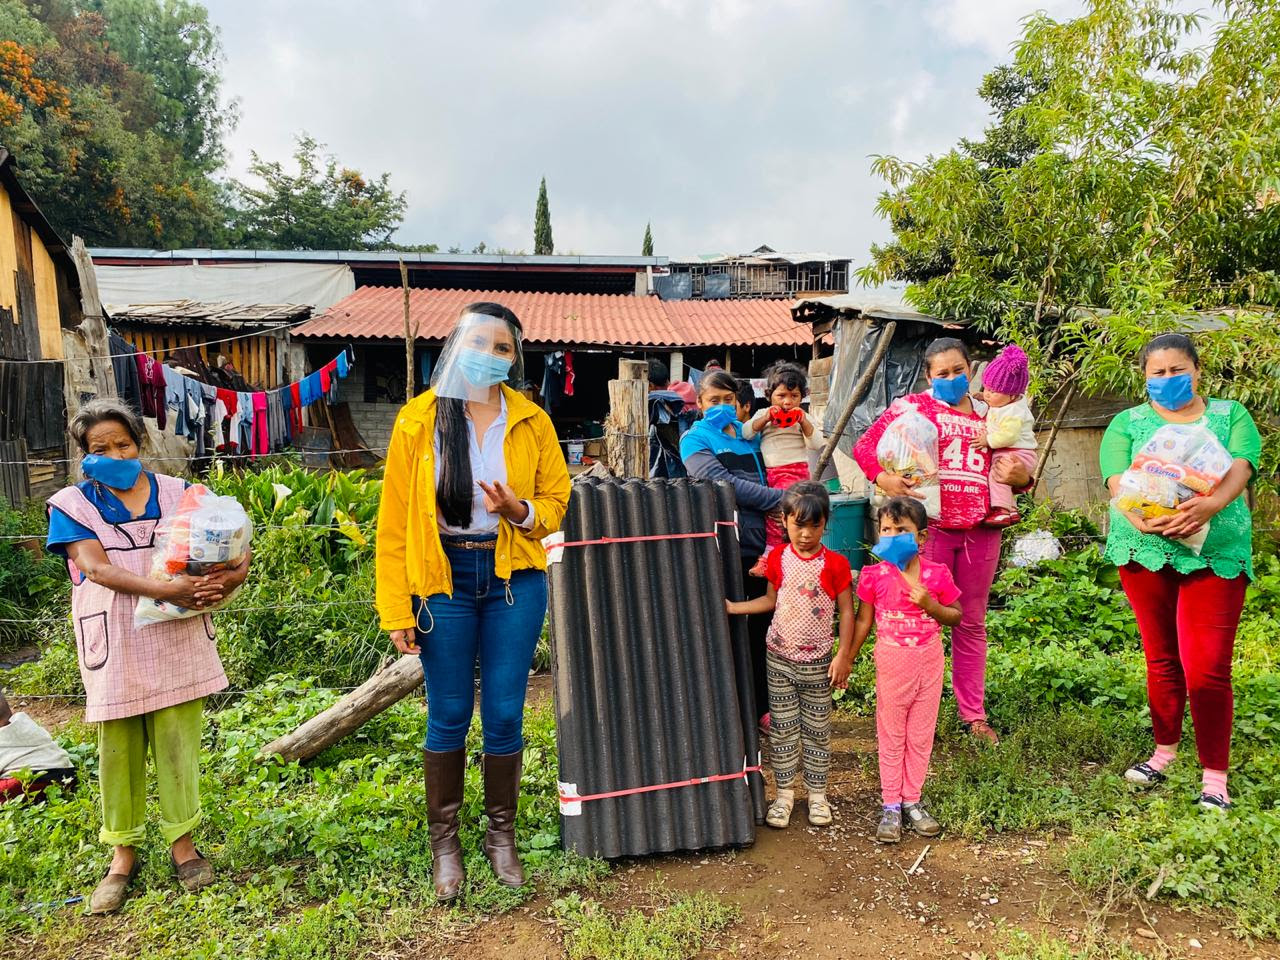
column 475, row 478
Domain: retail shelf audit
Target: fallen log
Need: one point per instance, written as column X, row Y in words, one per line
column 387, row 686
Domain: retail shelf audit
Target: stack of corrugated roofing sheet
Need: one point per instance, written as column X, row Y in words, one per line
column 652, row 685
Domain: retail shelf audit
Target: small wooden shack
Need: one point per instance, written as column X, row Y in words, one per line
column 39, row 296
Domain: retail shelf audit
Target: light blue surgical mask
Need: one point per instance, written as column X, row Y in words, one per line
column 481, row 368
column 721, row 415
column 1172, row 393
column 897, row 549
column 114, row 473
column 951, row 391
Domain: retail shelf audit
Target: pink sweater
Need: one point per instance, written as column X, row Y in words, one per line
column 962, row 467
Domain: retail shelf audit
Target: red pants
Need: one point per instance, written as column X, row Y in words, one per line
column 780, row 478
column 1188, row 624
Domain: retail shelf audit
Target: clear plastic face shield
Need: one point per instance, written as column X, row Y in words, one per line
column 481, row 352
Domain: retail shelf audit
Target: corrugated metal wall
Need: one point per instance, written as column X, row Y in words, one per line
column 652, row 686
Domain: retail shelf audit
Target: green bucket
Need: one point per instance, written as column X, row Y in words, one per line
column 847, row 528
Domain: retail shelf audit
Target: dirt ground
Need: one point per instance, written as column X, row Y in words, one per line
column 835, row 893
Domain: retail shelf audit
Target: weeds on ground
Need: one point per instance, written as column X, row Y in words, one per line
column 671, row 927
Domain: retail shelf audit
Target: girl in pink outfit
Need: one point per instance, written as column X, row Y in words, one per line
column 909, row 599
column 960, row 542
column 1010, row 426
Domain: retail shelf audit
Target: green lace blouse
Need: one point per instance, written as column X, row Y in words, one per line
column 1228, row 549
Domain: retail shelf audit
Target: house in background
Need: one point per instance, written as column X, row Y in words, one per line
column 39, row 297
column 762, row 273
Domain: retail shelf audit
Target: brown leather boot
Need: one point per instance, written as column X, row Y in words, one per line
column 501, row 795
column 443, row 773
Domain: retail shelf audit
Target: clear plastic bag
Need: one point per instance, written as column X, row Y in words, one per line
column 1179, row 462
column 206, row 533
column 909, row 448
column 1036, row 547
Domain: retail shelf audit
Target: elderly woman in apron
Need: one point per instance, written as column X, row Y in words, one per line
column 144, row 686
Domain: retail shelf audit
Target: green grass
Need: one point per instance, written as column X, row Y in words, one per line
column 673, row 927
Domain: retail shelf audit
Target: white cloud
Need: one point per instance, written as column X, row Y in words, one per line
column 991, row 26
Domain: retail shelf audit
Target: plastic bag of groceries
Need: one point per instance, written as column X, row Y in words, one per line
column 205, row 534
column 1179, row 462
column 909, row 448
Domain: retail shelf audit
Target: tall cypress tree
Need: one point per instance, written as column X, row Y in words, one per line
column 646, row 248
column 542, row 242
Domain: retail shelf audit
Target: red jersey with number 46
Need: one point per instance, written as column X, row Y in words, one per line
column 962, row 468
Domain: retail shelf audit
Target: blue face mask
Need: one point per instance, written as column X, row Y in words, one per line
column 117, row 474
column 481, row 368
column 721, row 416
column 1172, row 393
column 951, row 391
column 898, row 549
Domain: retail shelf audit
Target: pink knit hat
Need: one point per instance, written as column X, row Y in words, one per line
column 1008, row 372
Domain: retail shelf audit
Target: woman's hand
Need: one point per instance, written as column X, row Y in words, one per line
column 1192, row 515
column 896, row 486
column 1144, row 524
column 1011, row 471
column 406, row 642
column 194, row 593
column 502, row 500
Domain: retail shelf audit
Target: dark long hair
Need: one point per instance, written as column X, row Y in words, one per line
column 455, row 485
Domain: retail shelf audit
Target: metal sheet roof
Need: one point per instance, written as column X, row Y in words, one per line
column 372, row 256
column 219, row 314
column 567, row 318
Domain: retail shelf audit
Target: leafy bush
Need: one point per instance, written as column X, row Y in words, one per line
column 33, row 584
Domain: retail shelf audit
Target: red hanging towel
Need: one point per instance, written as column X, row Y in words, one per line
column 228, row 399
column 568, row 374
column 295, row 411
column 326, row 375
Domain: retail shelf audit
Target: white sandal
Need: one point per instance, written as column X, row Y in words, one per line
column 779, row 814
column 819, row 813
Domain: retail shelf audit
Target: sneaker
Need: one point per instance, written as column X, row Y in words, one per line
column 766, row 721
column 890, row 827
column 916, row 817
column 1001, row 517
column 981, row 730
column 1211, row 801
column 758, row 570
column 1144, row 775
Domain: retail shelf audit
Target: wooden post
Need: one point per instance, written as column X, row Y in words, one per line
column 626, row 430
column 677, row 366
column 860, row 390
column 326, row 728
column 93, row 327
column 410, row 337
column 1053, row 433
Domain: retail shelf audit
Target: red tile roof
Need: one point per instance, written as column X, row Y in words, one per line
column 569, row 319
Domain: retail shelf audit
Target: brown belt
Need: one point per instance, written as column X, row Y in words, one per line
column 465, row 544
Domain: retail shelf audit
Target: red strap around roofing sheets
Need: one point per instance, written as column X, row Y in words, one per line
column 736, row 775
column 656, row 536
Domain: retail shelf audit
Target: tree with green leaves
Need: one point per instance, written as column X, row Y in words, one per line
column 323, row 206
column 646, row 246
column 89, row 130
column 1134, row 183
column 543, row 245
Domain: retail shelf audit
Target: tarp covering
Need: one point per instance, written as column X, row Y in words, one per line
column 652, row 684
column 319, row 285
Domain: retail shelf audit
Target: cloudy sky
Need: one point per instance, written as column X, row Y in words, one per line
column 727, row 123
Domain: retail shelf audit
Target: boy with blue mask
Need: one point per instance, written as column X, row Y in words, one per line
column 909, row 599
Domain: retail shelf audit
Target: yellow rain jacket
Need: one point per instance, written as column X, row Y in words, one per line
column 411, row 560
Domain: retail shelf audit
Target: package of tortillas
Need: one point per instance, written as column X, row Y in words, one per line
column 206, row 533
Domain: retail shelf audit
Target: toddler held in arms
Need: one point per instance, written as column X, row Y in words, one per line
column 1010, row 426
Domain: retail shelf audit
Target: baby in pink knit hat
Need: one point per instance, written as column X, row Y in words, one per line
column 1010, row 426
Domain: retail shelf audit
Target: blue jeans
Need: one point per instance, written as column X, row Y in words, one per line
column 499, row 621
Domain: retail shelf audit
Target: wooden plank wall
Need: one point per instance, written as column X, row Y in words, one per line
column 255, row 357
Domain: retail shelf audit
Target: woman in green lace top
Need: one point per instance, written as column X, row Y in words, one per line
column 1187, row 604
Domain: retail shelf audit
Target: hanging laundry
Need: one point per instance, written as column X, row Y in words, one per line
column 275, row 420
column 242, row 422
column 175, row 398
column 261, row 438
column 424, row 366
column 208, row 426
column 568, row 374
column 152, row 386
column 226, row 407
column 295, row 408
column 553, row 377
column 310, row 389
column 125, row 368
column 284, row 398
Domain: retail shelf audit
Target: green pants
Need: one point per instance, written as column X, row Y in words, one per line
column 173, row 736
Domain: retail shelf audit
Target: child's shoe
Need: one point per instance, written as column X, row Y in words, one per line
column 766, row 722
column 1144, row 775
column 819, row 811
column 916, row 817
column 1211, row 801
column 1001, row 517
column 890, row 828
column 779, row 815
column 758, row 570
